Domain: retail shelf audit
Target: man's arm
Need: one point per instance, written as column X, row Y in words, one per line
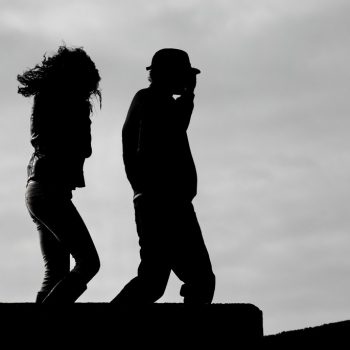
column 130, row 140
column 184, row 103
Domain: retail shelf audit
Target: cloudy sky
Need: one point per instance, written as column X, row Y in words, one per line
column 269, row 135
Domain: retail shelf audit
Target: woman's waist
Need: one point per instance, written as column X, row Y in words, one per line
column 37, row 188
column 65, row 172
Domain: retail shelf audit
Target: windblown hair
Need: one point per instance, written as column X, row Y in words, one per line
column 70, row 69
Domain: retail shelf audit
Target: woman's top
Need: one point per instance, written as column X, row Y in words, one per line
column 61, row 136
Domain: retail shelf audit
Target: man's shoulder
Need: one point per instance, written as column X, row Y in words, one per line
column 143, row 93
column 142, row 99
column 139, row 103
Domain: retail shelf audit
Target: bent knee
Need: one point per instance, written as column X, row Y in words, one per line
column 88, row 268
column 208, row 286
column 200, row 290
column 155, row 293
column 94, row 266
column 154, row 290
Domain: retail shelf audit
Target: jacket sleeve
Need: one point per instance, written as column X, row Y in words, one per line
column 184, row 107
column 131, row 141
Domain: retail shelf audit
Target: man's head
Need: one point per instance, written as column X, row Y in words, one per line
column 171, row 68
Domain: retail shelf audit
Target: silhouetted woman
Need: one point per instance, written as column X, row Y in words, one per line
column 62, row 86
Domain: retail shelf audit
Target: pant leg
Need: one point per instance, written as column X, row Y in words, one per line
column 154, row 269
column 190, row 258
column 55, row 211
column 56, row 259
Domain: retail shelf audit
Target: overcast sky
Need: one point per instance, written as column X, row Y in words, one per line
column 269, row 135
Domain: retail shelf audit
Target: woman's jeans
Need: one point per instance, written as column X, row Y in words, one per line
column 62, row 232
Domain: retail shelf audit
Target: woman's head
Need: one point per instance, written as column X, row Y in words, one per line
column 69, row 72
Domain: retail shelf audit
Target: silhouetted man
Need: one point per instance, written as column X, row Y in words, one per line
column 161, row 171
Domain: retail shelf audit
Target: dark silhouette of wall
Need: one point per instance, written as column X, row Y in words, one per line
column 107, row 326
column 154, row 326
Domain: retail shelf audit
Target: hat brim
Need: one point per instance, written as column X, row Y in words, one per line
column 195, row 70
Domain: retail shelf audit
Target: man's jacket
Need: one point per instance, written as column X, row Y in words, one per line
column 156, row 151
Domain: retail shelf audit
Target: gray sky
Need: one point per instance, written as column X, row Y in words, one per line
column 269, row 135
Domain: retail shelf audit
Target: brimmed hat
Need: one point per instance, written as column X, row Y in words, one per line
column 172, row 59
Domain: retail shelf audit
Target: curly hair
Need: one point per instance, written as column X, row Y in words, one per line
column 67, row 70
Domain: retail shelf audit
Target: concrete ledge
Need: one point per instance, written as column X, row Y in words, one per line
column 159, row 326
